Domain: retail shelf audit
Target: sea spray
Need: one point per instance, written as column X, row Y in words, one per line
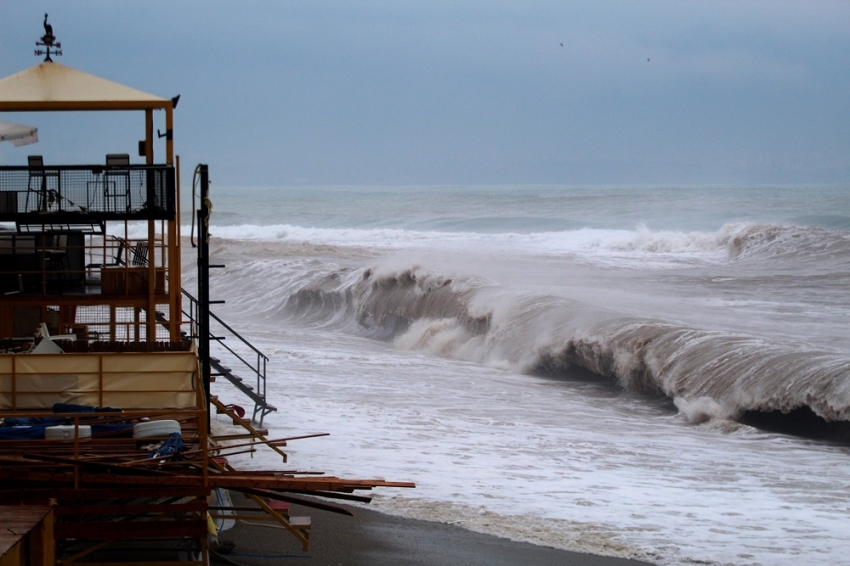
column 532, row 333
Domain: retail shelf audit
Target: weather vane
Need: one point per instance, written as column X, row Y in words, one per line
column 47, row 40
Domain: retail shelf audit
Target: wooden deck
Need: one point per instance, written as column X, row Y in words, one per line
column 26, row 536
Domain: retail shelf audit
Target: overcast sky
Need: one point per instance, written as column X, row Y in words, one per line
column 460, row 92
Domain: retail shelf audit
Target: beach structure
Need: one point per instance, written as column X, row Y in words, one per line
column 104, row 380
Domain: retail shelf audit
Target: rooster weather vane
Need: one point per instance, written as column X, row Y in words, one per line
column 47, row 41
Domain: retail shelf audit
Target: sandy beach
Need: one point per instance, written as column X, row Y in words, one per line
column 375, row 539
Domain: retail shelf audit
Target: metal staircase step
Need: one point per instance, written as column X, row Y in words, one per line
column 258, row 373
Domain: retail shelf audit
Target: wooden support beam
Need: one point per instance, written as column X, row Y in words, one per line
column 129, row 530
column 297, row 500
column 134, row 509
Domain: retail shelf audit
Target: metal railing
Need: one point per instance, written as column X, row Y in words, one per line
column 257, row 368
column 87, row 192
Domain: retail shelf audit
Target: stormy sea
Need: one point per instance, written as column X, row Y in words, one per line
column 652, row 372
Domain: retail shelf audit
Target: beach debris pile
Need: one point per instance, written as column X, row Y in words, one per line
column 149, row 474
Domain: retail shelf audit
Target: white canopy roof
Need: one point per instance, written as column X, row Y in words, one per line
column 18, row 134
column 52, row 86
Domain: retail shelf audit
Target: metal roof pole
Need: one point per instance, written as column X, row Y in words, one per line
column 149, row 136
column 174, row 259
column 203, row 314
column 169, row 133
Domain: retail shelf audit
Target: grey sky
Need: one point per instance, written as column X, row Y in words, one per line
column 479, row 92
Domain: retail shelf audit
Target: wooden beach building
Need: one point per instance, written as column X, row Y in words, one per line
column 103, row 400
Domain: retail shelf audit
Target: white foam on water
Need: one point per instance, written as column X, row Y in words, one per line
column 561, row 463
column 745, row 309
column 605, row 246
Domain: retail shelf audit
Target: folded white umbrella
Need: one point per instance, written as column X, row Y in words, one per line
column 17, row 134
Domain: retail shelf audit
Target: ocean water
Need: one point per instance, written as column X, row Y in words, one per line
column 651, row 372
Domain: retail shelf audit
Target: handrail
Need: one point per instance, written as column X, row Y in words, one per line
column 224, row 324
column 259, row 371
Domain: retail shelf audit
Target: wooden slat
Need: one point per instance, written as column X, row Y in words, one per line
column 158, row 563
column 222, row 480
column 130, row 493
column 16, row 522
column 136, row 509
column 129, row 530
column 19, row 529
column 23, row 513
column 96, row 465
column 246, row 436
column 10, row 553
column 274, row 496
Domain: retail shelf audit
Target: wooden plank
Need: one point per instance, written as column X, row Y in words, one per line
column 19, row 530
column 274, row 497
column 129, row 530
column 20, row 520
column 158, row 563
column 246, row 436
column 130, row 493
column 42, row 545
column 97, row 465
column 45, row 494
column 259, row 516
column 223, row 480
column 11, row 556
column 335, row 495
column 137, row 509
column 27, row 497
column 18, row 513
column 22, row 532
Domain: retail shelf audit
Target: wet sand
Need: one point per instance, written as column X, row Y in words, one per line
column 375, row 539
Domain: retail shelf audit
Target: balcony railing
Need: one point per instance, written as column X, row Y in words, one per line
column 75, row 193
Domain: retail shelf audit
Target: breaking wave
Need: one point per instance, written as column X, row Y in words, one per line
column 711, row 374
column 790, row 243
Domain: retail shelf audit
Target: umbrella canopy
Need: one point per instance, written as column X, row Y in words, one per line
column 52, row 87
column 18, row 134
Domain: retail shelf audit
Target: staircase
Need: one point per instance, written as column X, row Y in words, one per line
column 256, row 369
